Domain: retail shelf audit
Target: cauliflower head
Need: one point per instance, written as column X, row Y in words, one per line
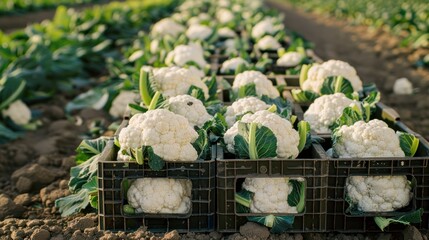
column 183, row 54
column 160, row 195
column 242, row 106
column 224, row 15
column 198, row 32
column 268, row 43
column 270, row 195
column 290, row 59
column 379, row 193
column 174, row 81
column 169, row 134
column 287, row 137
column 265, row 27
column 226, row 32
column 319, row 72
column 190, row 108
column 402, row 86
column 18, row 112
column 167, row 26
column 371, row 139
column 120, row 103
column 232, row 64
column 263, row 85
column 323, row 112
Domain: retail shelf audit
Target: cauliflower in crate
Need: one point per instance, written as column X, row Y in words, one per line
column 318, row 73
column 190, row 108
column 120, row 103
column 243, row 106
column 191, row 54
column 358, row 137
column 290, row 59
column 323, row 112
column 226, row 32
column 174, row 81
column 254, row 82
column 268, row 43
column 266, row 27
column 230, row 65
column 160, row 195
column 158, row 135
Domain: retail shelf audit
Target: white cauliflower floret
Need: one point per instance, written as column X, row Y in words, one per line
column 371, row 139
column 18, row 112
column 268, row 43
column 263, row 85
column 198, row 32
column 230, row 46
column 169, row 134
column 403, row 86
column 183, row 54
column 287, row 137
column 191, row 108
column 173, row 81
column 323, row 112
column 120, row 103
column 167, row 26
column 160, row 195
column 290, row 59
column 264, row 27
column 319, row 72
column 379, row 193
column 226, row 32
column 224, row 15
column 232, row 64
column 270, row 195
column 242, row 106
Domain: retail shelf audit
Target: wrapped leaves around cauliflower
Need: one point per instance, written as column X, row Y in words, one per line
column 253, row 83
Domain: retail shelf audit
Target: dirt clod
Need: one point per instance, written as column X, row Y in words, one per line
column 9, row 208
column 254, row 231
column 412, row 233
column 173, row 235
column 39, row 176
column 83, row 223
column 40, row 234
column 22, row 199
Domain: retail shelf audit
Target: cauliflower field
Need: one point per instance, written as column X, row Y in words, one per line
column 197, row 120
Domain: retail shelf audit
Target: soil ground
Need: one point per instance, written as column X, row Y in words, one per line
column 34, row 170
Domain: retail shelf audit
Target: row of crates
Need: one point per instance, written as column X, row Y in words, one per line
column 215, row 182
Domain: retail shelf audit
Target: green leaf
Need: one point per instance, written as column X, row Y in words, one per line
column 138, row 155
column 336, row 84
column 247, row 90
column 128, row 209
column 301, row 96
column 217, row 125
column 155, row 162
column 244, row 198
column 76, row 202
column 240, row 68
column 7, row 135
column 211, row 84
column 406, row 219
column 297, row 196
column 303, row 74
column 349, row 116
column 284, row 107
column 197, row 93
column 95, row 98
column 265, row 143
column 145, row 86
column 304, row 135
column 202, row 144
column 372, row 98
column 10, row 91
column 278, row 224
column 408, row 142
column 89, row 148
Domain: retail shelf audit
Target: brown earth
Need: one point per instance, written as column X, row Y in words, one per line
column 375, row 55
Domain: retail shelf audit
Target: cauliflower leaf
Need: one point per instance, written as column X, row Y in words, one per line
column 255, row 141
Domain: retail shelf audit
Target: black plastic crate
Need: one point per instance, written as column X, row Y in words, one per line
column 112, row 173
column 311, row 164
column 415, row 168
